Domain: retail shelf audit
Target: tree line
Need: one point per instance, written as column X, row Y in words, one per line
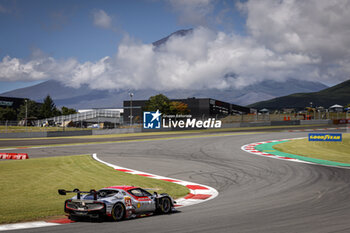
column 165, row 106
column 34, row 111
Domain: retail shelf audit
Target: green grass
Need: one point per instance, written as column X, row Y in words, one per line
column 331, row 151
column 29, row 187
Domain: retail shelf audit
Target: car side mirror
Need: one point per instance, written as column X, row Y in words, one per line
column 62, row 192
column 155, row 194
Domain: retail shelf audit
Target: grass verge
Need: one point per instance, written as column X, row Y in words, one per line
column 29, row 187
column 331, row 151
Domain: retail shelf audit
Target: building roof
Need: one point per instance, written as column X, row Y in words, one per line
column 264, row 110
column 336, row 106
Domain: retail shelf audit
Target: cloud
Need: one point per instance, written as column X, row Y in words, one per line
column 200, row 60
column 316, row 29
column 102, row 19
column 287, row 39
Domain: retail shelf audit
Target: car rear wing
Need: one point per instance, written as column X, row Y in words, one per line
column 78, row 192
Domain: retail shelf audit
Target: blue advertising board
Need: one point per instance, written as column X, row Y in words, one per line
column 325, row 137
column 152, row 120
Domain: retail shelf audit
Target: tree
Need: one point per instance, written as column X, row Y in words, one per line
column 67, row 111
column 156, row 102
column 177, row 107
column 8, row 114
column 32, row 110
column 48, row 109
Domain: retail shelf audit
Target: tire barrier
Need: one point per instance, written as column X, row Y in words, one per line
column 15, row 156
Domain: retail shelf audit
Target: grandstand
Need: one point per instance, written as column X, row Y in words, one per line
column 85, row 119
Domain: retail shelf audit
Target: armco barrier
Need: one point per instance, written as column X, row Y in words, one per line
column 15, row 156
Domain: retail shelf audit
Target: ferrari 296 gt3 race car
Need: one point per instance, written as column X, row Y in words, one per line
column 118, row 202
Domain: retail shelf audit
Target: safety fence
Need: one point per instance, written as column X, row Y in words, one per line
column 265, row 117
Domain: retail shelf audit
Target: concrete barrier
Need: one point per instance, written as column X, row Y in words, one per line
column 231, row 125
column 46, row 134
column 24, row 135
column 116, row 131
column 281, row 123
column 315, row 122
column 69, row 133
column 255, row 124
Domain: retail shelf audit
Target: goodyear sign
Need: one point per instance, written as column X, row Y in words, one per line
column 325, row 137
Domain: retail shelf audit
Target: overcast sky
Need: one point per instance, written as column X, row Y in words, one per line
column 108, row 44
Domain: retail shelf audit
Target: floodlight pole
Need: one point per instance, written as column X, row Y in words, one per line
column 26, row 121
column 131, row 95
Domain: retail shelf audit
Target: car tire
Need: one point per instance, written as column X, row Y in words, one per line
column 165, row 205
column 74, row 218
column 118, row 212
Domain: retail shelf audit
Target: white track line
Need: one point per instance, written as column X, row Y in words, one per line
column 26, row 225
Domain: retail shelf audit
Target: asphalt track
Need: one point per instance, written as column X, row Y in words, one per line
column 256, row 194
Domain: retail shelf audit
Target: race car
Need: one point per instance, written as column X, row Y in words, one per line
column 117, row 202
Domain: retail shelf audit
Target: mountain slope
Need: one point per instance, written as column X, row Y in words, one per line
column 85, row 97
column 338, row 94
column 182, row 32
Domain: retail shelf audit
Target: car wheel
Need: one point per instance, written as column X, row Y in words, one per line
column 165, row 205
column 118, row 212
column 74, row 218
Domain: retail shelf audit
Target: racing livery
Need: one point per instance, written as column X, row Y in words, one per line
column 118, row 202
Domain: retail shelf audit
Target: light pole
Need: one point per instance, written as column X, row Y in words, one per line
column 131, row 95
column 26, row 113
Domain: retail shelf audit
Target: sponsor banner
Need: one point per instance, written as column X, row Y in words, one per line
column 6, row 103
column 341, row 121
column 14, row 156
column 154, row 120
column 325, row 137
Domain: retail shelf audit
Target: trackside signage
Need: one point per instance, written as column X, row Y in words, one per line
column 325, row 137
column 155, row 120
column 6, row 103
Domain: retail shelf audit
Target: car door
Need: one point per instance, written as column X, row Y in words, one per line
column 143, row 200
